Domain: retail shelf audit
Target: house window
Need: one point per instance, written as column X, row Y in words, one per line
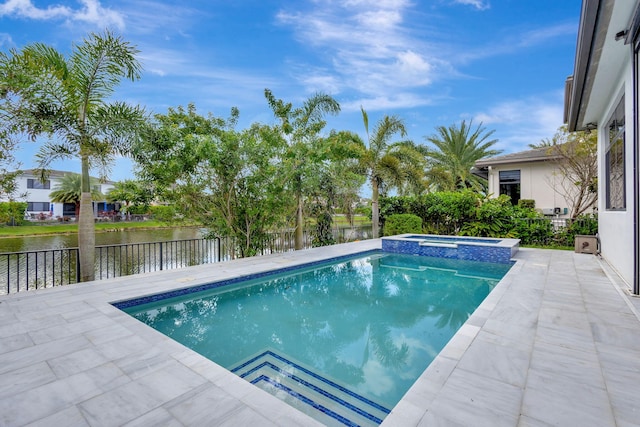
column 614, row 160
column 510, row 185
column 37, row 206
column 69, row 209
column 36, row 184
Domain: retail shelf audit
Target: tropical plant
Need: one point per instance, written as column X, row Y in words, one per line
column 493, row 218
column 306, row 149
column 68, row 100
column 129, row 193
column 388, row 164
column 227, row 180
column 455, row 152
column 162, row 213
column 12, row 213
column 69, row 190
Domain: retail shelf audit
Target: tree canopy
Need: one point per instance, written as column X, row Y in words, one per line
column 67, row 101
column 453, row 153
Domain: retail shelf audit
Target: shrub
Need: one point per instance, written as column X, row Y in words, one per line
column 493, row 218
column 138, row 209
column 163, row 213
column 584, row 224
column 12, row 213
column 527, row 203
column 363, row 210
column 402, row 223
column 534, row 231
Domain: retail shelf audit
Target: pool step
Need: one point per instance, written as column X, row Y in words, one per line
column 300, row 387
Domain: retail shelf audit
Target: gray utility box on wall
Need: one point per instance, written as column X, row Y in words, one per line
column 586, row 244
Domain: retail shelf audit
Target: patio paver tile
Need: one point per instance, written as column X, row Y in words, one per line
column 468, row 398
column 69, row 417
column 555, row 343
column 25, row 378
column 500, row 361
column 156, row 417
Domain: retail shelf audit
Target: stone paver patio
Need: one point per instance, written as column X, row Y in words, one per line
column 557, row 343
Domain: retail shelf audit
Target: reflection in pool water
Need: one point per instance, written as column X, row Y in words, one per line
column 372, row 324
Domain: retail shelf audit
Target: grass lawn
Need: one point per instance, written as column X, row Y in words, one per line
column 66, row 228
column 71, row 228
column 341, row 220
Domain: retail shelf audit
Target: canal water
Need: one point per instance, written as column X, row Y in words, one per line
column 60, row 241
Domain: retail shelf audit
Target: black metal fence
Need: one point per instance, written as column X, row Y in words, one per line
column 23, row 271
column 134, row 258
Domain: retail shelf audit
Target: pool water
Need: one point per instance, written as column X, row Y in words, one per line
column 342, row 342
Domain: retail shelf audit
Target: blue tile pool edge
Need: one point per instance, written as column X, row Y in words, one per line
column 146, row 299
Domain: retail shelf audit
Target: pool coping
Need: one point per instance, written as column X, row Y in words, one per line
column 66, row 354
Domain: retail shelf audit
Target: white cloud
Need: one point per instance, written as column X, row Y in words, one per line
column 382, row 18
column 540, row 36
column 387, row 102
column 91, row 12
column 368, row 49
column 153, row 17
column 517, row 39
column 5, row 39
column 523, row 121
column 94, row 13
column 478, row 4
column 25, row 9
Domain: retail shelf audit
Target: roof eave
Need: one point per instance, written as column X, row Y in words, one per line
column 578, row 87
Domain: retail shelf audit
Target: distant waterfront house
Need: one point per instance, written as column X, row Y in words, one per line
column 531, row 174
column 603, row 94
column 39, row 205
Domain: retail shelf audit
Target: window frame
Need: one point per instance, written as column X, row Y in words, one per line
column 614, row 160
column 36, row 184
column 510, row 182
column 30, row 206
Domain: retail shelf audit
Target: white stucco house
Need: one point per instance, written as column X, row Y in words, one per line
column 603, row 95
column 531, row 174
column 37, row 195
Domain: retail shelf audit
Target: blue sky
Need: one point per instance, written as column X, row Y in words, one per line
column 431, row 62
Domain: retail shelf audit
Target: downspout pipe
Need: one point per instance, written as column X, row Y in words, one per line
column 636, row 177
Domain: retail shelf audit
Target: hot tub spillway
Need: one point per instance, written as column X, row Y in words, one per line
column 453, row 247
column 319, row 397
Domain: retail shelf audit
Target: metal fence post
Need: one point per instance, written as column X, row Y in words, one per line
column 77, row 251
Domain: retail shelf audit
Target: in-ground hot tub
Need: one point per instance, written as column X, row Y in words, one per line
column 453, row 247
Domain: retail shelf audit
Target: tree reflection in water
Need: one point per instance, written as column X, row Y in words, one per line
column 373, row 323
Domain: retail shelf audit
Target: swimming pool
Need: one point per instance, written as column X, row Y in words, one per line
column 341, row 341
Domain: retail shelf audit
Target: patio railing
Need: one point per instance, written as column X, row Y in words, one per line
column 23, row 271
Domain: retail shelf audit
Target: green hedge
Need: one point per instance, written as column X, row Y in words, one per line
column 467, row 213
column 402, row 223
column 163, row 213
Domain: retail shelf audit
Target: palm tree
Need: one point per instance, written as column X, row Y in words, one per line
column 301, row 129
column 69, row 190
column 386, row 163
column 456, row 151
column 67, row 100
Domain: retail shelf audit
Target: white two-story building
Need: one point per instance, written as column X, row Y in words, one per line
column 37, row 194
